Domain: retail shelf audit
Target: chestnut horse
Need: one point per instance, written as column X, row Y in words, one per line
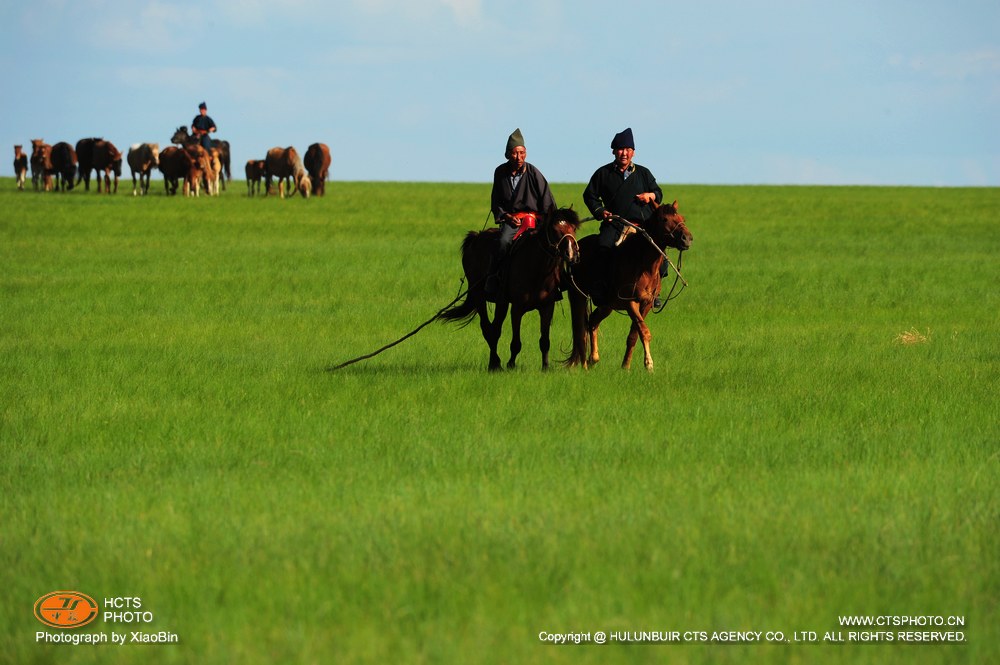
column 534, row 272
column 634, row 283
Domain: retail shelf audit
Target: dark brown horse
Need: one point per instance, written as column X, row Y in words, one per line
column 85, row 157
column 62, row 165
column 317, row 163
column 107, row 158
column 634, row 283
column 532, row 279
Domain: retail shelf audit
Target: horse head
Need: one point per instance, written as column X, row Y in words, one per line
column 669, row 225
column 559, row 229
column 181, row 136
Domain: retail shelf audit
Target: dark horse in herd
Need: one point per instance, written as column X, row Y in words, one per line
column 536, row 270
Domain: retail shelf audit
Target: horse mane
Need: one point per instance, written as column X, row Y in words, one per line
column 665, row 209
column 567, row 215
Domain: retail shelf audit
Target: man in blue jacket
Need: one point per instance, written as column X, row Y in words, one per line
column 202, row 126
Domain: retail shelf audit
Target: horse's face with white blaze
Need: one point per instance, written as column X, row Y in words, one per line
column 560, row 233
column 674, row 228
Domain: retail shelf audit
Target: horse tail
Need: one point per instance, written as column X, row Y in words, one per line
column 464, row 311
column 461, row 313
column 579, row 318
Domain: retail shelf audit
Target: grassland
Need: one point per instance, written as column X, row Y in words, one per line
column 168, row 432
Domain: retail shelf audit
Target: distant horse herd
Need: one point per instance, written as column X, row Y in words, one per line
column 185, row 165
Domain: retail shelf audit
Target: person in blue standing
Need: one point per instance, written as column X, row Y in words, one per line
column 202, row 126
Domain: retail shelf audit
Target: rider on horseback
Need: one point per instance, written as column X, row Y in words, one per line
column 621, row 190
column 202, row 126
column 520, row 192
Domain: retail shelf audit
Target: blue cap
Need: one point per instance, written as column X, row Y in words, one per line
column 623, row 139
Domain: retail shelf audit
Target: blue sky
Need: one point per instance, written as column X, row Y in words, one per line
column 873, row 92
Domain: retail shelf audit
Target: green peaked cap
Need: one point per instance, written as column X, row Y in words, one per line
column 514, row 141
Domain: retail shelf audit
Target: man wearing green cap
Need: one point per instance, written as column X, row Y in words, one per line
column 620, row 190
column 520, row 193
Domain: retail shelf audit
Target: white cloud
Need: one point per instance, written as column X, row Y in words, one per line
column 155, row 27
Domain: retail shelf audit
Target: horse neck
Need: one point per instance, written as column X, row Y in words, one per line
column 535, row 252
column 638, row 253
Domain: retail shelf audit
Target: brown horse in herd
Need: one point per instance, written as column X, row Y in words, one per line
column 634, row 284
column 534, row 274
column 182, row 138
column 96, row 154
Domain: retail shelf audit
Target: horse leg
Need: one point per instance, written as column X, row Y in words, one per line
column 638, row 329
column 495, row 329
column 599, row 315
column 578, row 317
column 545, row 324
column 486, row 328
column 516, row 314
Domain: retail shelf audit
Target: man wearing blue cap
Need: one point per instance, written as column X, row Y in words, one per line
column 202, row 126
column 621, row 189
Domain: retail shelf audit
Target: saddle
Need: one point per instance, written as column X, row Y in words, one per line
column 523, row 221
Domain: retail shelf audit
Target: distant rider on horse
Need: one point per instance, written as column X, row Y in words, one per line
column 202, row 126
column 520, row 194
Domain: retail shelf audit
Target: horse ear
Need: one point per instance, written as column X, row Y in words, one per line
column 675, row 204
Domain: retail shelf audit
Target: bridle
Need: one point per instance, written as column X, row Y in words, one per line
column 678, row 277
column 554, row 248
column 642, row 232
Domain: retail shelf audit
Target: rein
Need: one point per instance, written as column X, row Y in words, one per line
column 641, row 231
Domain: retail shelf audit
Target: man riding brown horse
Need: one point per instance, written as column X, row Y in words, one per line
column 202, row 125
column 618, row 192
column 631, row 285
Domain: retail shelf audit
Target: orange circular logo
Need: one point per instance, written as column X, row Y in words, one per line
column 65, row 609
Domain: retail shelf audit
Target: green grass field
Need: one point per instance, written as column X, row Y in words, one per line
column 820, row 437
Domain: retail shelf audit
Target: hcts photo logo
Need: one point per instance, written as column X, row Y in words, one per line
column 65, row 609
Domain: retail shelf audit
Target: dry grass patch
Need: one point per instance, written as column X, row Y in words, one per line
column 913, row 336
